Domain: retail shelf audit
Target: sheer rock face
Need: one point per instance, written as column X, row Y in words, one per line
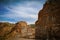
column 48, row 23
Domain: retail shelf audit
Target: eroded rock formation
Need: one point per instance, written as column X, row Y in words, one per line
column 19, row 30
column 5, row 28
column 10, row 31
column 48, row 23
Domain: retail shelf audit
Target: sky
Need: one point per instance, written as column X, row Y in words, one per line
column 20, row 10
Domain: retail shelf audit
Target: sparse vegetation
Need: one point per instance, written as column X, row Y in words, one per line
column 32, row 25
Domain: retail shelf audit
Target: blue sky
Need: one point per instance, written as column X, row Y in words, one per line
column 20, row 10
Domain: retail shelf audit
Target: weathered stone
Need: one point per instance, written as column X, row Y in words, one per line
column 31, row 32
column 48, row 23
column 5, row 28
column 22, row 28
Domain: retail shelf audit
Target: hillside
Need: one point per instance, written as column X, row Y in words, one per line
column 9, row 31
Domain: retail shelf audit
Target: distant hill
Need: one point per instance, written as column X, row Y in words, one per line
column 32, row 25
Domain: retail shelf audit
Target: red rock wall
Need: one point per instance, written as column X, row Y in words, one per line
column 48, row 23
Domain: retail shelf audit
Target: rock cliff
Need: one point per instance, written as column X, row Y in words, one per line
column 48, row 23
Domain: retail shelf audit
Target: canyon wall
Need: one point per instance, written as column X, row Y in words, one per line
column 48, row 23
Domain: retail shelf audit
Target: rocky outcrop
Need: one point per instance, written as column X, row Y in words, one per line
column 25, row 30
column 22, row 28
column 48, row 23
column 10, row 31
column 19, row 29
column 5, row 28
column 31, row 31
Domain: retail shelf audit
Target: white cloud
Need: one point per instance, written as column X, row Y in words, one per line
column 8, row 21
column 23, row 11
column 27, row 10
